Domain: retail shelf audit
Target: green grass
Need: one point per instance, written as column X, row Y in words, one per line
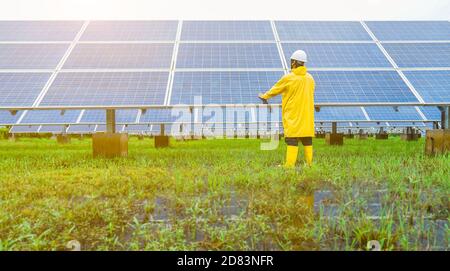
column 51, row 194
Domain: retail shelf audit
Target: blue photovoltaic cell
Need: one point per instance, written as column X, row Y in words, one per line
column 7, row 118
column 55, row 129
column 21, row 89
column 433, row 86
column 361, row 86
column 410, row 30
column 339, row 114
column 222, row 87
column 339, row 55
column 107, row 88
column 80, row 129
column 227, row 30
column 50, row 116
column 219, row 55
column 321, row 31
column 99, row 116
column 25, row 129
column 431, row 112
column 166, row 115
column 39, row 30
column 31, row 56
column 130, row 31
column 419, row 54
column 386, row 113
column 123, row 56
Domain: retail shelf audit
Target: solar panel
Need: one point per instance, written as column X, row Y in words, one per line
column 123, row 56
column 31, row 56
column 99, row 116
column 7, row 118
column 130, row 31
column 433, row 86
column 107, row 88
column 165, row 116
column 221, row 55
column 386, row 113
column 419, row 54
column 50, row 116
column 431, row 112
column 222, row 87
column 21, row 89
column 410, row 30
column 361, row 86
column 227, row 30
column 339, row 114
column 24, row 129
column 54, row 129
column 321, row 31
column 39, row 30
column 80, row 129
column 341, row 55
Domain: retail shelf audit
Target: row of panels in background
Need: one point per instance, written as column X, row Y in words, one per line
column 159, row 56
column 214, row 87
column 216, row 129
column 223, row 30
column 219, row 115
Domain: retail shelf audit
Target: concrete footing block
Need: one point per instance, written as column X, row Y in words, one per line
column 161, row 141
column 409, row 137
column 110, row 145
column 437, row 142
column 363, row 136
column 63, row 139
column 334, row 139
column 382, row 136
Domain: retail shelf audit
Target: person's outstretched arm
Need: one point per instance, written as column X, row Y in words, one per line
column 277, row 89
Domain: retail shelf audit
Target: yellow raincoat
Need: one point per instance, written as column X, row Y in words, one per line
column 297, row 95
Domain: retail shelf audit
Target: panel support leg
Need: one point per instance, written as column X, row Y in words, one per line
column 110, row 144
column 110, row 121
column 445, row 117
column 162, row 140
column 334, row 138
column 382, row 135
column 438, row 140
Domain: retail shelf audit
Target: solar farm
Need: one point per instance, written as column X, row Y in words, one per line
column 149, row 135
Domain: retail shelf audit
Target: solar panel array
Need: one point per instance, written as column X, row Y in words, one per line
column 132, row 63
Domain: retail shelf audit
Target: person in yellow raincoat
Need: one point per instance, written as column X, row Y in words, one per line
column 297, row 92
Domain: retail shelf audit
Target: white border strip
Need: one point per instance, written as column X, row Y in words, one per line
column 174, row 64
column 280, row 48
column 422, row 115
column 365, row 113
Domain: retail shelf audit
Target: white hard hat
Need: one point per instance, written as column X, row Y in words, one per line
column 299, row 55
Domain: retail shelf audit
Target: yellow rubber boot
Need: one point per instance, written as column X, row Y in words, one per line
column 308, row 155
column 291, row 156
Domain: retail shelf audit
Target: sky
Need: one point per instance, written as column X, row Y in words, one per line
column 226, row 9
